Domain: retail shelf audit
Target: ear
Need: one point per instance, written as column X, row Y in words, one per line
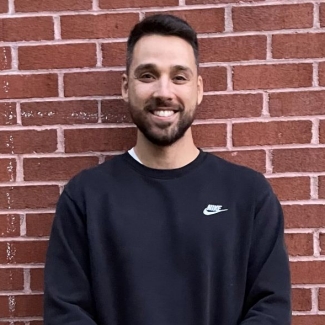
column 125, row 88
column 199, row 90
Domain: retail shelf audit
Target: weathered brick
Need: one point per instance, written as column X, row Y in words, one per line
column 298, row 160
column 299, row 244
column 39, row 225
column 59, row 112
column 5, row 58
column 21, row 306
column 321, row 187
column 28, row 197
column 297, row 103
column 93, row 83
column 308, row 320
column 114, row 54
column 304, row 216
column 272, row 17
column 322, row 14
column 298, row 46
column 28, row 86
column 322, row 74
column 272, row 76
column 49, row 5
column 117, row 4
column 230, row 106
column 197, row 2
column 7, row 170
column 271, row 133
column 97, row 26
column 322, row 131
column 8, row 115
column 28, row 141
column 291, row 188
column 4, row 7
column 307, row 272
column 236, row 48
column 109, row 139
column 301, row 299
column 214, row 78
column 9, row 226
column 321, row 299
column 37, row 279
column 255, row 159
column 210, row 135
column 115, row 111
column 26, row 29
column 57, row 56
column 202, row 20
column 56, row 169
column 11, row 279
column 19, row 252
column 322, row 243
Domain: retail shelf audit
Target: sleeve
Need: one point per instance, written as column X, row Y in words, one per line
column 268, row 289
column 67, row 290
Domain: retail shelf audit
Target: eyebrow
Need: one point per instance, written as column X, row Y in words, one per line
column 151, row 66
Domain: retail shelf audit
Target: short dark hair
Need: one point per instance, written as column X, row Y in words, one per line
column 165, row 25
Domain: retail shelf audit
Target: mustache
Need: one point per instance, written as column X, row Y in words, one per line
column 155, row 103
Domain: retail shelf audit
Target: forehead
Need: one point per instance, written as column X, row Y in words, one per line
column 163, row 51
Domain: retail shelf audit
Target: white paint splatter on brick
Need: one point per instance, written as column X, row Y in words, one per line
column 11, row 252
column 12, row 305
column 11, row 224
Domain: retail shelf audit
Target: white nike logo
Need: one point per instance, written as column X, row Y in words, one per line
column 213, row 209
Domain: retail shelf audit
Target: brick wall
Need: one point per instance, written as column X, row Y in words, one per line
column 60, row 111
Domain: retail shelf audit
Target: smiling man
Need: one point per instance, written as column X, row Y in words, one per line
column 166, row 234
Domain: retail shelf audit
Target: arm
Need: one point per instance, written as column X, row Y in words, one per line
column 268, row 294
column 67, row 296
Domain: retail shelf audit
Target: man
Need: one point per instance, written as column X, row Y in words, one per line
column 166, row 234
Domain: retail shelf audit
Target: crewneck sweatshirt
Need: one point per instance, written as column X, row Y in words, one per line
column 198, row 245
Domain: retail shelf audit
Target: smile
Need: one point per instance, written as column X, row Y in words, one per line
column 163, row 113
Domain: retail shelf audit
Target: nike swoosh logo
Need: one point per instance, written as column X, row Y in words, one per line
column 208, row 213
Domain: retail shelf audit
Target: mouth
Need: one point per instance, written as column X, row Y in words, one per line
column 163, row 113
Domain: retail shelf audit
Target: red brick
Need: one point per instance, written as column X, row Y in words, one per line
column 307, row 272
column 115, row 111
column 25, row 306
column 28, row 141
column 301, row 299
column 114, row 54
column 37, row 279
column 298, row 46
column 321, row 299
column 11, row 279
column 28, row 197
column 210, row 135
column 8, row 115
column 271, row 133
column 56, row 169
column 195, row 2
column 110, row 139
column 59, row 112
column 38, row 322
column 236, row 48
column 116, row 4
column 322, row 74
column 93, row 83
column 214, row 78
column 322, row 243
column 5, row 58
column 14, row 323
column 321, row 187
column 49, row 5
column 28, row 86
column 23, row 252
column 272, row 76
column 57, row 56
column 9, row 226
column 305, row 160
column 322, row 15
column 308, row 320
column 272, row 17
column 39, row 225
column 202, row 20
column 322, row 131
column 230, row 106
column 304, row 216
column 97, row 26
column 291, row 188
column 255, row 159
column 26, row 29
column 4, row 6
column 299, row 244
column 297, row 103
column 7, row 170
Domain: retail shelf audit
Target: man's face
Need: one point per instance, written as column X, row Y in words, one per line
column 162, row 88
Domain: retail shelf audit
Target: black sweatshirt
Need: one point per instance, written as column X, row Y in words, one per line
column 198, row 245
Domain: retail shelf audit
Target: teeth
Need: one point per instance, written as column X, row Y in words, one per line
column 163, row 113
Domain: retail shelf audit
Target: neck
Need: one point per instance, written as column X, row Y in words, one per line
column 177, row 155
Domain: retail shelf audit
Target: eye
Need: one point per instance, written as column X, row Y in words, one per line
column 180, row 79
column 147, row 77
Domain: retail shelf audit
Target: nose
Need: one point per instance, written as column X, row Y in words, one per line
column 164, row 89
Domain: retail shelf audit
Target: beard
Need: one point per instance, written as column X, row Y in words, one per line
column 167, row 133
